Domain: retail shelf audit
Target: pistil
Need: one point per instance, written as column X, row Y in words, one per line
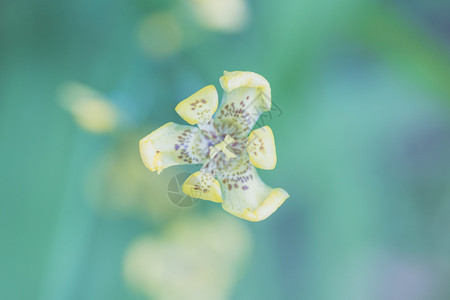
column 222, row 147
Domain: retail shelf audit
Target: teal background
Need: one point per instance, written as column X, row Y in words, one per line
column 362, row 135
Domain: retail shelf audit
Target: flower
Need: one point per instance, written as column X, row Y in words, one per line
column 221, row 15
column 194, row 257
column 226, row 146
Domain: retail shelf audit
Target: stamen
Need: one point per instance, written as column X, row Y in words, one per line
column 222, row 147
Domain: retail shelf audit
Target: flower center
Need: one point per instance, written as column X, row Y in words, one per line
column 222, row 147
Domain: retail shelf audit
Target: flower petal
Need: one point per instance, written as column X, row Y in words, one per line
column 245, row 195
column 247, row 95
column 202, row 185
column 173, row 144
column 261, row 148
column 200, row 107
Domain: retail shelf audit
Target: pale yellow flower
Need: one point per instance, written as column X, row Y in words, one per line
column 226, row 146
column 198, row 258
column 221, row 15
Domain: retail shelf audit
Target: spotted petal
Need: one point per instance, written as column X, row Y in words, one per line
column 202, row 185
column 173, row 144
column 261, row 148
column 246, row 96
column 245, row 195
column 200, row 107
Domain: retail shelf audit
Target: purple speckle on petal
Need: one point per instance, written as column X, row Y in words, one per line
column 177, row 147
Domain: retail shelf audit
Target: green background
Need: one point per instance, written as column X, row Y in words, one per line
column 362, row 135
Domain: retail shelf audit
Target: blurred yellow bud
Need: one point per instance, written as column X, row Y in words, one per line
column 89, row 108
column 221, row 15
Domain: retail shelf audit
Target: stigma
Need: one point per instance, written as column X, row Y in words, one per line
column 222, row 147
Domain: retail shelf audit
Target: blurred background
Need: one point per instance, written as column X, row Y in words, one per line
column 361, row 91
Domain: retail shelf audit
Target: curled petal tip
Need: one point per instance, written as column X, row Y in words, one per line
column 150, row 157
column 237, row 79
column 275, row 199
